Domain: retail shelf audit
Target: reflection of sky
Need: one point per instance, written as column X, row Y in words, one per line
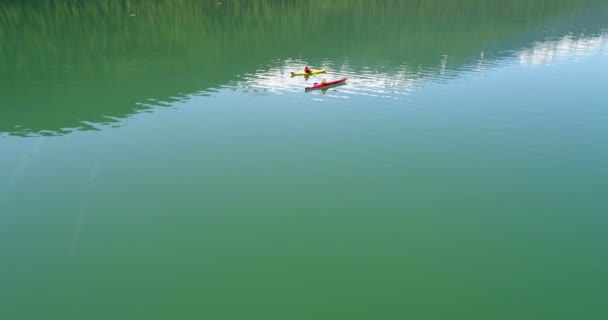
column 365, row 81
column 568, row 47
column 400, row 82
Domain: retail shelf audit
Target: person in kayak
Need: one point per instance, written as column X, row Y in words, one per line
column 307, row 69
column 323, row 83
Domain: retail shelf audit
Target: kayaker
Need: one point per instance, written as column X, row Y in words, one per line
column 323, row 82
column 307, row 69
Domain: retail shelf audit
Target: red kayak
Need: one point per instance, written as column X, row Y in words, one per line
column 328, row 84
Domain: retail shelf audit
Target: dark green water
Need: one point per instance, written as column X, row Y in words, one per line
column 157, row 161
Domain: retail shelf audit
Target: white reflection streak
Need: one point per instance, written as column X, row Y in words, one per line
column 567, row 47
column 480, row 69
column 444, row 64
column 274, row 80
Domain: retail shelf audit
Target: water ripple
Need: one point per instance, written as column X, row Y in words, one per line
column 559, row 49
column 362, row 82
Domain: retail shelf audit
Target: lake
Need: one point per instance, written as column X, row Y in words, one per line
column 158, row 161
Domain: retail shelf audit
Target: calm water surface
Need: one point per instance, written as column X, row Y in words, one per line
column 159, row 162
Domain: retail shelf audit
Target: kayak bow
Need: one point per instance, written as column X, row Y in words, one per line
column 328, row 84
column 313, row 71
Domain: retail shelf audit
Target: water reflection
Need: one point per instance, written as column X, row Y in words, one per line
column 399, row 82
column 368, row 81
column 87, row 69
column 568, row 47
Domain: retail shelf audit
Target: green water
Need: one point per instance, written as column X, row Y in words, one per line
column 157, row 161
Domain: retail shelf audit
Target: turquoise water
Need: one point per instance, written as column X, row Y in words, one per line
column 158, row 161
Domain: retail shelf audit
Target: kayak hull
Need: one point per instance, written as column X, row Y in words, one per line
column 313, row 71
column 329, row 84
